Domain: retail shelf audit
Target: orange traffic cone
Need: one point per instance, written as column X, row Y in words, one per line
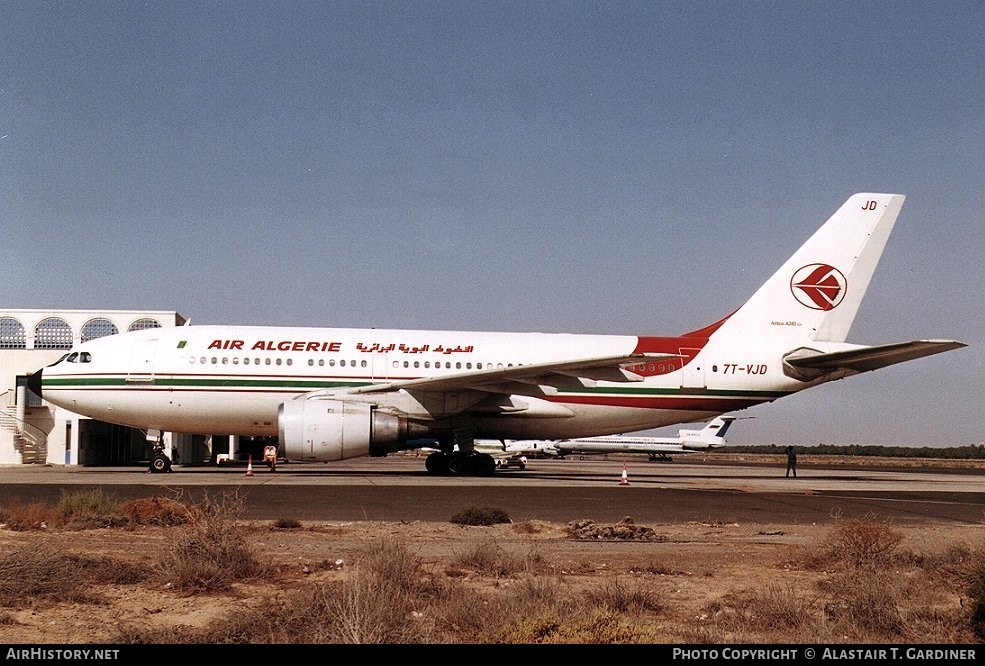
column 625, row 478
column 249, row 465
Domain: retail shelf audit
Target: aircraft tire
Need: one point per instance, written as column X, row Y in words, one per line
column 457, row 464
column 436, row 464
column 160, row 463
column 485, row 464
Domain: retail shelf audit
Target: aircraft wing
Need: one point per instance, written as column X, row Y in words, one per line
column 500, row 380
column 865, row 359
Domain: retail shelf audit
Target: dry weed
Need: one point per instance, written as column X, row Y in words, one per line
column 33, row 516
column 210, row 553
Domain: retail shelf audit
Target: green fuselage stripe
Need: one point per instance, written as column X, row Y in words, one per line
column 178, row 383
column 167, row 382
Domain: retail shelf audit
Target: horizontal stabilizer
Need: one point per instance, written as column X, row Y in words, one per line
column 807, row 364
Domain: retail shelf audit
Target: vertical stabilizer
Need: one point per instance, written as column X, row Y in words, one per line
column 816, row 294
column 717, row 428
column 713, row 434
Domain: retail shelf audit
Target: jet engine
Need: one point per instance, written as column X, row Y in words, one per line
column 327, row 430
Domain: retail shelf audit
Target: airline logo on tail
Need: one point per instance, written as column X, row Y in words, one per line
column 819, row 286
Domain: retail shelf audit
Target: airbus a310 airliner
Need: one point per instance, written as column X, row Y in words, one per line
column 336, row 393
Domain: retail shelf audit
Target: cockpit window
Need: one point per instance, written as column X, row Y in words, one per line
column 63, row 357
column 74, row 357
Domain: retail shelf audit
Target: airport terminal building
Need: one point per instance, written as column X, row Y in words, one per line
column 34, row 432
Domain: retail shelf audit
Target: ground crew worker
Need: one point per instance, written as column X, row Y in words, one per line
column 270, row 457
column 791, row 462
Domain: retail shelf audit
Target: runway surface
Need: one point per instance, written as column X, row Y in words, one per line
column 398, row 489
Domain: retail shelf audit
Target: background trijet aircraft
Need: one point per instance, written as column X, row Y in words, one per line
column 658, row 448
column 336, row 393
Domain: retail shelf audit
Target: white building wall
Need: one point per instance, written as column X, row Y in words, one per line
column 38, row 420
column 58, row 427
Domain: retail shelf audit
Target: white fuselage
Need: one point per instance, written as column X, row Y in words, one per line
column 231, row 380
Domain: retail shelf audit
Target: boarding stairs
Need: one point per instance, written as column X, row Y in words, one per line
column 29, row 441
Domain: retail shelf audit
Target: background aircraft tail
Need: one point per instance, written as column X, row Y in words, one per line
column 713, row 434
column 816, row 294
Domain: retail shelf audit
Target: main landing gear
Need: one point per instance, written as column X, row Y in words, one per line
column 159, row 461
column 440, row 463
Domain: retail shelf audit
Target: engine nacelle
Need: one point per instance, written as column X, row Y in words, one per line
column 327, row 430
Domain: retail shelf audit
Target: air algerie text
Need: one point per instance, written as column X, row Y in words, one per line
column 279, row 345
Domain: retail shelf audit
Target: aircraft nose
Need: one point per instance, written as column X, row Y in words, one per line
column 34, row 382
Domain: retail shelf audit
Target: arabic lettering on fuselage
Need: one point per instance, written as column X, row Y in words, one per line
column 383, row 348
column 329, row 346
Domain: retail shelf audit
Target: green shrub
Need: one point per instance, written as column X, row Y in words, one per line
column 90, row 507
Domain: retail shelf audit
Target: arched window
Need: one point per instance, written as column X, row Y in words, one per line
column 12, row 334
column 98, row 328
column 53, row 333
column 144, row 323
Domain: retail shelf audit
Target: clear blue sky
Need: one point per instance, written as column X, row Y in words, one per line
column 625, row 167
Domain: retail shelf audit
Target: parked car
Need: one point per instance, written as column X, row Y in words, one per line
column 515, row 460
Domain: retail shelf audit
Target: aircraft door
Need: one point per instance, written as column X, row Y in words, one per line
column 141, row 369
column 693, row 372
column 380, row 369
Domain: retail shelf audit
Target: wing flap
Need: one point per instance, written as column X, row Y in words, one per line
column 807, row 364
